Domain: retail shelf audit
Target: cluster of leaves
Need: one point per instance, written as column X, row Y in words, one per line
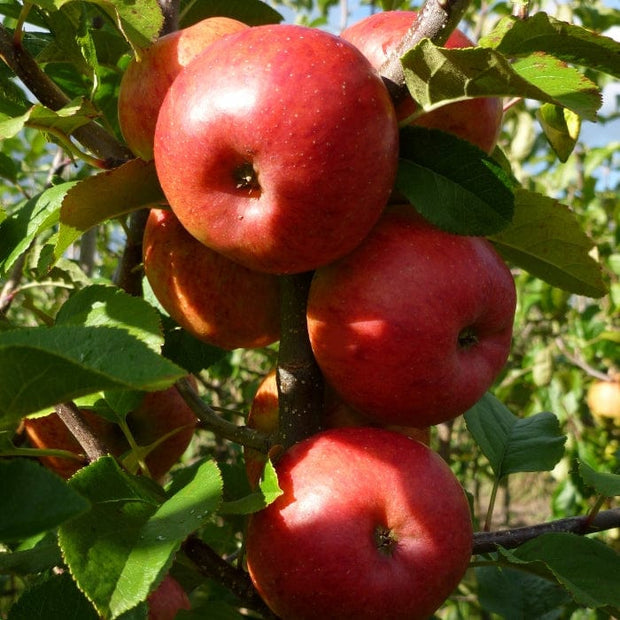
column 74, row 333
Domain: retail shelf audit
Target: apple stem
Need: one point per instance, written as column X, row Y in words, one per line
column 436, row 20
column 93, row 447
column 300, row 383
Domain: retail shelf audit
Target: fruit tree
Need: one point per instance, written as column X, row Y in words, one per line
column 305, row 319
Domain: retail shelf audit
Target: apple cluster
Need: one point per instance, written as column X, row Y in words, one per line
column 277, row 148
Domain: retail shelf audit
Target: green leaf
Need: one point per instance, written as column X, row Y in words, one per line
column 72, row 116
column 514, row 444
column 42, row 366
column 109, row 306
column 561, row 128
column 268, row 492
column 39, row 500
column 452, row 183
column 42, row 556
column 161, row 536
column 251, row 12
column 605, row 483
column 515, row 595
column 547, row 241
column 436, row 76
column 585, row 567
column 33, row 217
column 104, row 196
column 542, row 33
column 55, row 595
column 96, row 545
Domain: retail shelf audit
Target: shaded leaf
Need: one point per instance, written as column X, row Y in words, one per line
column 547, row 241
column 162, row 534
column 109, row 306
column 436, row 76
column 42, row 366
column 251, row 12
column 585, row 567
column 38, row 499
column 452, row 183
column 104, row 196
column 605, row 483
column 25, row 560
column 561, row 128
column 514, row 444
column 543, row 33
column 268, row 491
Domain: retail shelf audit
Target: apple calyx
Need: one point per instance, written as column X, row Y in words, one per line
column 467, row 338
column 385, row 540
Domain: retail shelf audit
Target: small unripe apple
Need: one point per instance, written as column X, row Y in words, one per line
column 476, row 120
column 167, row 600
column 147, row 79
column 604, row 399
column 277, row 147
column 414, row 325
column 215, row 299
column 371, row 524
column 158, row 414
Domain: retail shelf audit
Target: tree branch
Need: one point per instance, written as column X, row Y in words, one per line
column 222, row 428
column 485, row 542
column 211, row 565
column 435, row 21
column 80, row 429
column 92, row 136
column 300, row 383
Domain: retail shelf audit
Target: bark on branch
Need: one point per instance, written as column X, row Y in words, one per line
column 93, row 446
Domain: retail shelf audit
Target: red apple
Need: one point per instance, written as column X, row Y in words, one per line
column 278, row 147
column 167, row 600
column 414, row 325
column 212, row 297
column 147, row 79
column 371, row 524
column 158, row 414
column 477, row 120
column 264, row 415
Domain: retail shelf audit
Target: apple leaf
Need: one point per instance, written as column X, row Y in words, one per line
column 547, row 241
column 18, row 230
column 585, row 567
column 251, row 12
column 161, row 536
column 542, row 33
column 39, row 500
column 561, row 128
column 104, row 196
column 57, row 595
column 436, row 76
column 268, row 491
column 96, row 545
column 453, row 183
column 42, row 366
column 605, row 483
column 514, row 444
column 28, row 559
column 101, row 305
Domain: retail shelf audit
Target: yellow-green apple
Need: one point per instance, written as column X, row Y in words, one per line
column 157, row 415
column 264, row 415
column 167, row 600
column 414, row 325
column 371, row 524
column 603, row 399
column 147, row 78
column 215, row 299
column 277, row 146
column 477, row 120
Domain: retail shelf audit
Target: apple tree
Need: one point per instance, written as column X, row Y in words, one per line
column 204, row 411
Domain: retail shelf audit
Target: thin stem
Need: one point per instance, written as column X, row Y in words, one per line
column 222, row 428
column 489, row 515
column 600, row 501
